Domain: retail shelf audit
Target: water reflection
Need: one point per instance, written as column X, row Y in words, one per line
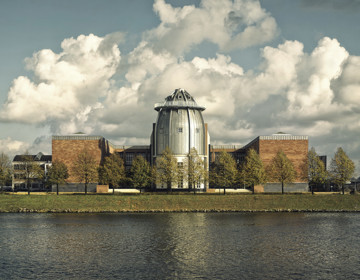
column 179, row 246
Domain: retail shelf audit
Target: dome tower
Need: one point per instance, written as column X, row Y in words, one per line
column 180, row 126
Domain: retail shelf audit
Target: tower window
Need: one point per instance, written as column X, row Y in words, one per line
column 180, row 129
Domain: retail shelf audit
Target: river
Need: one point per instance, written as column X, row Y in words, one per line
column 180, row 246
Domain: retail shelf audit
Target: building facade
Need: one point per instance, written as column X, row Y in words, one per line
column 294, row 147
column 180, row 126
column 20, row 171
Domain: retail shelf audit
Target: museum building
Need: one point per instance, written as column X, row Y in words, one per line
column 180, row 126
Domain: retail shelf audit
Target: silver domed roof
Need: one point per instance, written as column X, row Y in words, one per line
column 180, row 98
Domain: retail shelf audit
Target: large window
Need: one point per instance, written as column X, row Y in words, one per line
column 19, row 176
column 129, row 158
column 19, row 167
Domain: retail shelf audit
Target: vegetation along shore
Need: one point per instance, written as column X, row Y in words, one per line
column 10, row 203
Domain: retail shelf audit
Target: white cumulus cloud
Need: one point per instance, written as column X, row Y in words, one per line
column 12, row 147
column 64, row 84
column 228, row 24
column 90, row 87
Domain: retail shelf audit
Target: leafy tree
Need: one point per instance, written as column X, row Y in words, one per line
column 282, row 170
column 167, row 168
column 241, row 176
column 142, row 173
column 342, row 168
column 58, row 173
column 223, row 172
column 253, row 170
column 316, row 170
column 85, row 168
column 5, row 170
column 112, row 171
column 194, row 169
column 31, row 170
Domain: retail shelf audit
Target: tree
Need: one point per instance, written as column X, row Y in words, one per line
column 253, row 171
column 282, row 170
column 194, row 169
column 85, row 168
column 112, row 171
column 223, row 172
column 58, row 173
column 316, row 170
column 5, row 170
column 167, row 168
column 142, row 173
column 31, row 170
column 341, row 169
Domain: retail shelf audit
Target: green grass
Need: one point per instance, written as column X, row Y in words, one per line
column 177, row 203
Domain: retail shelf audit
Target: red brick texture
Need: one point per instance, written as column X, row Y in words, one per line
column 67, row 151
column 295, row 150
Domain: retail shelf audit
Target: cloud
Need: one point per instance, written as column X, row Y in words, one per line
column 66, row 85
column 12, row 147
column 230, row 25
column 75, row 89
column 310, row 95
column 90, row 86
column 347, row 85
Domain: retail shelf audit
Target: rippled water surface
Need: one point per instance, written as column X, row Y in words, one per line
column 180, row 246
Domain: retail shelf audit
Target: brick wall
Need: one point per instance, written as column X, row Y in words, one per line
column 67, row 151
column 295, row 150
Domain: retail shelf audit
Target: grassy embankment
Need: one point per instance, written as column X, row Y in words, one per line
column 177, row 203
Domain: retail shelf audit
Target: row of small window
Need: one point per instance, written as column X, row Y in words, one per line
column 238, row 157
column 20, row 176
column 22, row 166
column 180, row 130
column 19, row 167
column 130, row 156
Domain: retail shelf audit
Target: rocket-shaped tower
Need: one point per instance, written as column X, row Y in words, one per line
column 180, row 126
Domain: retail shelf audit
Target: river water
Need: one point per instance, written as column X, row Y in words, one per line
column 180, row 246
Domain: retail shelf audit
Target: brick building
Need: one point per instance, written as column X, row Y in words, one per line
column 180, row 126
column 66, row 148
column 295, row 148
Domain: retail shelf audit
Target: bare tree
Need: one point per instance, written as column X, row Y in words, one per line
column 5, row 170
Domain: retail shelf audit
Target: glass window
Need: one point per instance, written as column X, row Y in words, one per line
column 180, row 129
column 129, row 158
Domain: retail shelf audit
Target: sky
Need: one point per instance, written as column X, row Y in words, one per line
column 259, row 67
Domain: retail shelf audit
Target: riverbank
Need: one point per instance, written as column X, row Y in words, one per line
column 178, row 203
